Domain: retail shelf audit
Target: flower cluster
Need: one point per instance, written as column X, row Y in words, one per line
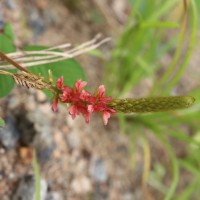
column 83, row 102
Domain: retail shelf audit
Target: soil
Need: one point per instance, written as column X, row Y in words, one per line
column 77, row 160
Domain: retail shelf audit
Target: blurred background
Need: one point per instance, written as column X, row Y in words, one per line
column 154, row 51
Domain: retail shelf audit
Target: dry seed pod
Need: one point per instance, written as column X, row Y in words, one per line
column 30, row 80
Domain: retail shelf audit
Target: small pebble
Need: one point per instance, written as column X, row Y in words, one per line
column 81, row 185
column 41, row 97
column 36, row 22
column 26, row 189
column 11, row 4
column 97, row 170
column 1, row 175
column 1, row 21
column 53, row 196
column 9, row 135
column 11, row 175
column 2, row 151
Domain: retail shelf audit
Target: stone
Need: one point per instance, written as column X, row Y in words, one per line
column 9, row 135
column 97, row 170
column 81, row 185
column 26, row 189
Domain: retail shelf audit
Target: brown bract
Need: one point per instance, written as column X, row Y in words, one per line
column 30, row 80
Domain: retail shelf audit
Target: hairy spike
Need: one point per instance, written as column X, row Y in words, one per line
column 31, row 81
column 151, row 104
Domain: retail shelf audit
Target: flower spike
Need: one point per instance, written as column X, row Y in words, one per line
column 83, row 102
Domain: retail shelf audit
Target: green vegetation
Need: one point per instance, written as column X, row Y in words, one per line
column 69, row 68
column 157, row 29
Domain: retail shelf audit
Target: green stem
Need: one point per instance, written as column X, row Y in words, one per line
column 172, row 67
column 37, row 177
column 174, row 61
column 11, row 61
column 163, row 9
column 175, row 168
column 192, row 42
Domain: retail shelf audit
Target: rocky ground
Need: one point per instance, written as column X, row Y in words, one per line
column 77, row 160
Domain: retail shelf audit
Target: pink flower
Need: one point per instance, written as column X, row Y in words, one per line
column 74, row 95
column 79, row 85
column 67, row 94
column 83, row 102
column 73, row 111
column 90, row 108
column 101, row 91
column 55, row 104
column 59, row 82
column 106, row 116
column 85, row 96
column 76, row 109
column 101, row 107
column 99, row 104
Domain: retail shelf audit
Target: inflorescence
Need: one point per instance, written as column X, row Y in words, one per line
column 82, row 101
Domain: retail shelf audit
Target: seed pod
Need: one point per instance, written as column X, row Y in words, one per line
column 151, row 104
column 30, row 80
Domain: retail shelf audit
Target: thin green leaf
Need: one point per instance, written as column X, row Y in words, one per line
column 37, row 176
column 159, row 25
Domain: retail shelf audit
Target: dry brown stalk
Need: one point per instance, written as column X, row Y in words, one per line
column 32, row 58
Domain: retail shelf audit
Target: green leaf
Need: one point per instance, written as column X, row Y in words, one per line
column 7, row 39
column 6, row 83
column 69, row 69
column 2, row 123
column 6, row 46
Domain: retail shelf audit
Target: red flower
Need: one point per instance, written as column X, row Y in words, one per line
column 101, row 91
column 99, row 104
column 55, row 104
column 79, row 85
column 67, row 94
column 77, row 109
column 59, row 82
column 106, row 116
column 83, row 102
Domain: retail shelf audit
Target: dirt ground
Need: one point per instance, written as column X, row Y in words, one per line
column 77, row 160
